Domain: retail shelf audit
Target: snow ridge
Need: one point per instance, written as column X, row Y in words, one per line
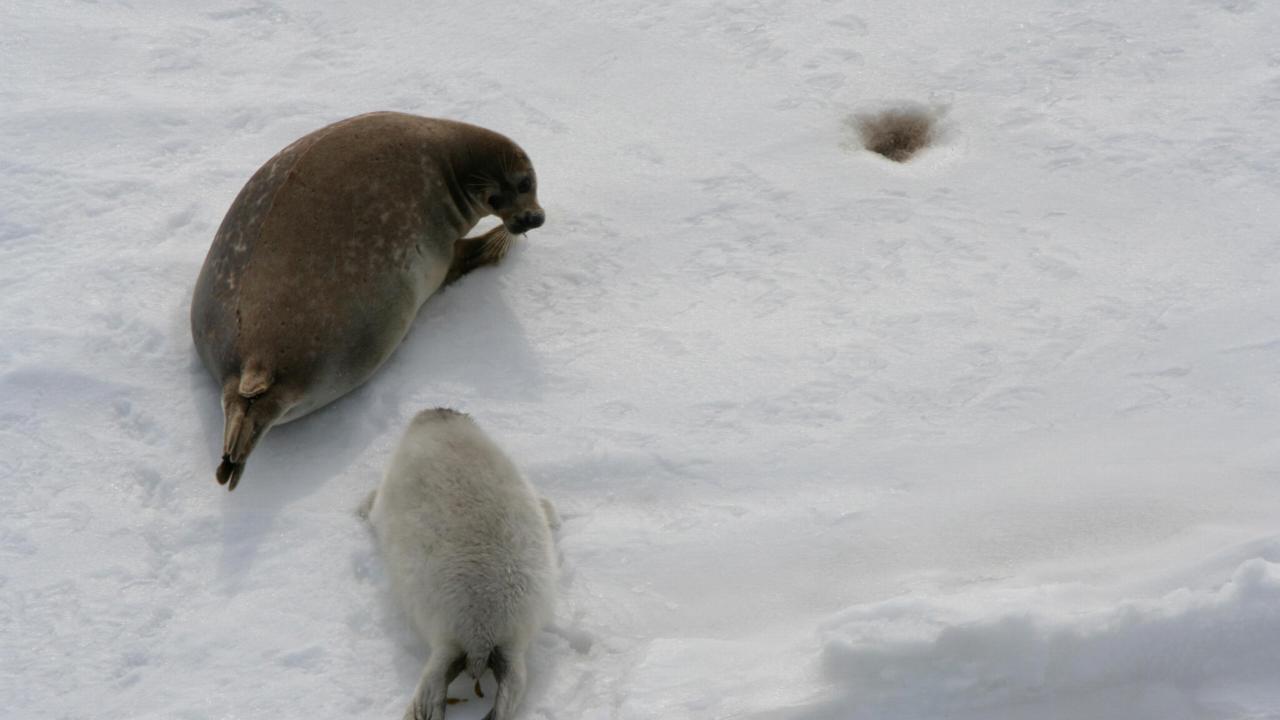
column 921, row 656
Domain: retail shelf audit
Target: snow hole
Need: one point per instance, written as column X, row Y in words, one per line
column 897, row 133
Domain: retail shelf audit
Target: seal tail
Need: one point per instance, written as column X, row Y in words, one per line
column 251, row 407
column 253, row 382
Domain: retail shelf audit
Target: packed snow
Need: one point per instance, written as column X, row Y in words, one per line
column 989, row 433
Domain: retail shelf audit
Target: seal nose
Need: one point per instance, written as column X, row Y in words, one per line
column 532, row 220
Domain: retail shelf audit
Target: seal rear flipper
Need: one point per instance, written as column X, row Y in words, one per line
column 431, row 696
column 509, row 671
column 247, row 420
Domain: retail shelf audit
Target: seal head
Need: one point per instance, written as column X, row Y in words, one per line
column 503, row 183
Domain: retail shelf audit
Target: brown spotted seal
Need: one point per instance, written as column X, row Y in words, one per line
column 326, row 255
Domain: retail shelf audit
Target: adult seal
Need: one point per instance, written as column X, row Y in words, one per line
column 324, row 258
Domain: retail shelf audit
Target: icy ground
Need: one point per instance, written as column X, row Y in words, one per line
column 989, row 434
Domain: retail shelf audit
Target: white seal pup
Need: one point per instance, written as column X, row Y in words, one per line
column 469, row 552
column 323, row 260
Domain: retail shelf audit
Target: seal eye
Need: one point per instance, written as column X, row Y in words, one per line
column 495, row 201
column 525, row 186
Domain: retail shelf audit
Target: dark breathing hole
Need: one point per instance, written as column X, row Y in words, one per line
column 897, row 133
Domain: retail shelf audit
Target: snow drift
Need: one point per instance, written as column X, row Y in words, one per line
column 934, row 657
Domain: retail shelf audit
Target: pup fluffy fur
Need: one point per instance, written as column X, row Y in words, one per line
column 469, row 551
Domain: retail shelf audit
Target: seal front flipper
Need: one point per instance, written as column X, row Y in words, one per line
column 549, row 510
column 472, row 253
column 251, row 406
column 366, row 506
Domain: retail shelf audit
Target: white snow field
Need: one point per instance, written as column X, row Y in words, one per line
column 989, row 434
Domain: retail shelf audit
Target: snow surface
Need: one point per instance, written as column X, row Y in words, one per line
column 989, row 434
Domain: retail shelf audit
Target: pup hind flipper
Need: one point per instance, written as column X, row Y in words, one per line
column 510, row 673
column 431, row 695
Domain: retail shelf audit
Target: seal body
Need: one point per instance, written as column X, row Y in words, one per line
column 324, row 258
column 469, row 551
